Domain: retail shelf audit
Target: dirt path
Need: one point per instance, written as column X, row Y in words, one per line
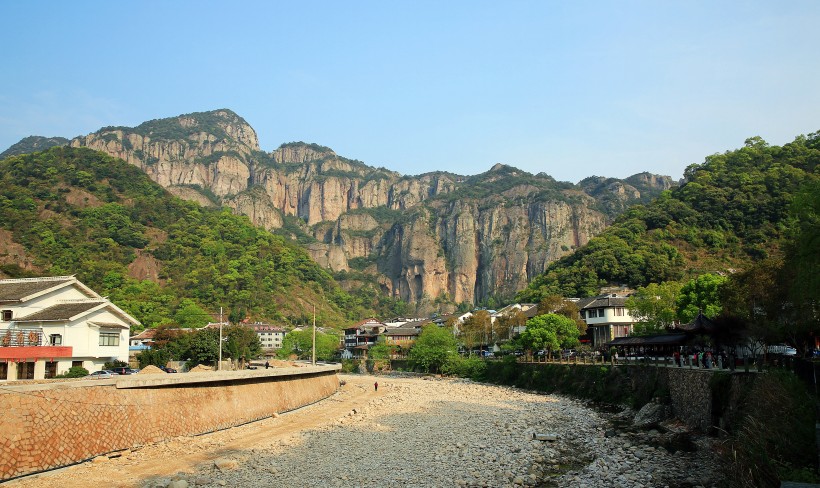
column 185, row 454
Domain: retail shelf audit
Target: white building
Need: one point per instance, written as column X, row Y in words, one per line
column 270, row 336
column 606, row 317
column 48, row 325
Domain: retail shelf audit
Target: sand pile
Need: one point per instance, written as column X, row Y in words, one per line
column 199, row 368
column 151, row 369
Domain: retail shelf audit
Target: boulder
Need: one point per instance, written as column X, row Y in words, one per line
column 651, row 415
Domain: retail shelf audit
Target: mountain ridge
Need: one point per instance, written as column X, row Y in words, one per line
column 459, row 239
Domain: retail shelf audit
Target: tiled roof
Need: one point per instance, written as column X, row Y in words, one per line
column 402, row 331
column 266, row 327
column 371, row 322
column 61, row 311
column 606, row 301
column 108, row 325
column 17, row 289
column 146, row 334
column 700, row 324
column 653, row 340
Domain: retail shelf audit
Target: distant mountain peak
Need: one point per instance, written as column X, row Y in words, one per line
column 33, row 144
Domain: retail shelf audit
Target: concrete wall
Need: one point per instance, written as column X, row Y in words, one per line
column 46, row 426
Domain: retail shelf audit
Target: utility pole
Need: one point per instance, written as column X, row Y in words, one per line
column 219, row 364
column 313, row 359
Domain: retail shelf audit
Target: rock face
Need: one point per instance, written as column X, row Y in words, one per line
column 426, row 237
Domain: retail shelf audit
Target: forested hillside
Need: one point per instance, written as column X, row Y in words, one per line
column 78, row 211
column 732, row 211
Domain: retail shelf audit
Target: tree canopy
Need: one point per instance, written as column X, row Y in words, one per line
column 654, row 306
column 299, row 343
column 434, row 348
column 550, row 332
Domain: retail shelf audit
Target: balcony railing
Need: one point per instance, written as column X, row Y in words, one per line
column 21, row 337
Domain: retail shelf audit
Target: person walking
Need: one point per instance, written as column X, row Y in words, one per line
column 267, row 364
column 376, row 386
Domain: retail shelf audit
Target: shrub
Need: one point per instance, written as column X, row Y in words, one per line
column 115, row 364
column 74, row 372
column 775, row 438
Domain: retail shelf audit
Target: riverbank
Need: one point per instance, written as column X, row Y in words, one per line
column 419, row 432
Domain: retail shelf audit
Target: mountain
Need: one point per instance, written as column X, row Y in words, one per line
column 437, row 239
column 77, row 211
column 731, row 211
column 33, row 143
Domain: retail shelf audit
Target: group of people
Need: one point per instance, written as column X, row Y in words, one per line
column 701, row 359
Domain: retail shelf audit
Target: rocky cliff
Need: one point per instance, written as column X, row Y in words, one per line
column 437, row 237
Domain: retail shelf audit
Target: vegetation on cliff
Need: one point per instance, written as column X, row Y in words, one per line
column 733, row 210
column 77, row 211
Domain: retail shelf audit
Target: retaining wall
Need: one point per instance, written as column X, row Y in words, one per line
column 690, row 392
column 45, row 426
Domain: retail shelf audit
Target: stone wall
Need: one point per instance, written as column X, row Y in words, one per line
column 46, row 426
column 691, row 396
column 691, row 392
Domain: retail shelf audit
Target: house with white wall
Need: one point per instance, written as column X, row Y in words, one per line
column 606, row 317
column 270, row 337
column 49, row 324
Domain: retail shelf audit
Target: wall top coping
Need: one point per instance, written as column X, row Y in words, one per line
column 172, row 379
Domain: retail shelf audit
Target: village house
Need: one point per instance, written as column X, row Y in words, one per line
column 529, row 310
column 402, row 337
column 362, row 335
column 607, row 318
column 48, row 325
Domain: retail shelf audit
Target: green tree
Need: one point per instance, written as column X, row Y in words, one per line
column 655, row 307
column 241, row 342
column 701, row 294
column 476, row 330
column 434, row 348
column 155, row 357
column 550, row 332
column 380, row 350
column 203, row 347
column 300, row 344
column 508, row 322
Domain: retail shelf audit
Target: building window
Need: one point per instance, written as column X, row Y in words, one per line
column 619, row 311
column 55, row 340
column 109, row 339
column 7, row 315
column 592, row 313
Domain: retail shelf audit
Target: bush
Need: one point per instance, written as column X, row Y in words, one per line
column 350, row 366
column 74, row 372
column 472, row 367
column 775, row 437
column 115, row 364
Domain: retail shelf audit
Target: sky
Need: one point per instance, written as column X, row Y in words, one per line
column 570, row 88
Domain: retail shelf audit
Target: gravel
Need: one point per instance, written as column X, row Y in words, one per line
column 456, row 433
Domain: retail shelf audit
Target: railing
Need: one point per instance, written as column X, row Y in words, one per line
column 21, row 337
column 746, row 364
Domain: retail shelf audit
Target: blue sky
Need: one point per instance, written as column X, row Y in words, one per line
column 572, row 89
